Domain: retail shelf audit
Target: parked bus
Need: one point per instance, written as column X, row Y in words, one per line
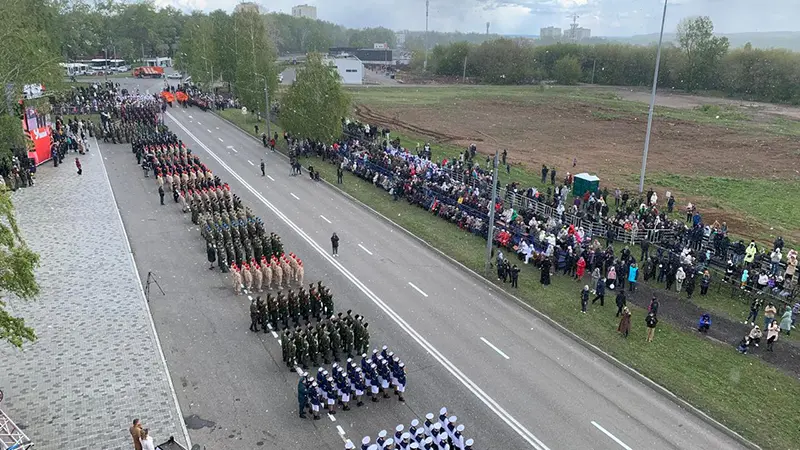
column 74, row 69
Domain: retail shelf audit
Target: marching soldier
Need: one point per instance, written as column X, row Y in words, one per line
column 301, row 349
column 294, row 308
column 254, row 316
column 267, row 273
column 347, row 338
column 283, row 310
column 287, row 347
column 365, row 338
column 324, row 343
column 262, row 313
column 248, row 277
column 305, row 307
column 277, row 273
column 313, row 345
column 336, row 342
column 272, row 311
column 236, row 279
column 316, row 303
column 358, row 333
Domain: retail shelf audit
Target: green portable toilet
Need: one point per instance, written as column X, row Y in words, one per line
column 583, row 182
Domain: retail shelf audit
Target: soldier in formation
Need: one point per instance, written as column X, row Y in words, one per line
column 352, row 380
column 285, row 311
column 444, row 433
column 325, row 341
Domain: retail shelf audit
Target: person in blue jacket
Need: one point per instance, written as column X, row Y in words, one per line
column 633, row 276
column 704, row 324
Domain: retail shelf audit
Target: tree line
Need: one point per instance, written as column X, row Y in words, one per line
column 700, row 61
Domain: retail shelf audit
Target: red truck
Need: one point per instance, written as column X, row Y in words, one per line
column 148, row 72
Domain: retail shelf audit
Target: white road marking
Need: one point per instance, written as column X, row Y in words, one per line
column 325, row 218
column 220, row 139
column 216, row 128
column 476, row 390
column 495, row 348
column 198, row 122
column 292, row 194
column 273, row 179
column 365, row 249
column 251, row 162
column 190, row 116
column 274, row 334
column 607, row 433
column 333, row 418
column 339, row 428
column 418, row 289
column 208, row 129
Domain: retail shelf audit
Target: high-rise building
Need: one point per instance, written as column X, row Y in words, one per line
column 307, row 11
column 582, row 34
column 246, row 7
column 550, row 33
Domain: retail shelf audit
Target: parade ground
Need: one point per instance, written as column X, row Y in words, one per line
column 514, row 379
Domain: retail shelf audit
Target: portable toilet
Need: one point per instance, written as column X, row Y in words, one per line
column 583, row 182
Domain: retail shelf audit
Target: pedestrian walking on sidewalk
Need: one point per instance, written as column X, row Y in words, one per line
column 335, row 244
column 78, row 166
column 136, row 434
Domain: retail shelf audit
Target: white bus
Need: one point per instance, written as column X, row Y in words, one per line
column 74, row 69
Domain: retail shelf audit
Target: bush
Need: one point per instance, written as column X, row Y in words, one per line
column 567, row 70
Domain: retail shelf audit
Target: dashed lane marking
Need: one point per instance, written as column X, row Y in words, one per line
column 325, row 218
column 365, row 249
column 495, row 348
column 418, row 289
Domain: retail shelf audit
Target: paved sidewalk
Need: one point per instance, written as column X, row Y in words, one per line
column 97, row 363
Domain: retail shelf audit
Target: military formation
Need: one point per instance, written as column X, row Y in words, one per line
column 290, row 310
column 235, row 238
column 127, row 121
column 375, row 376
column 329, row 339
column 435, row 433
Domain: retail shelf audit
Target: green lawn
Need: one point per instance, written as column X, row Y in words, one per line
column 742, row 392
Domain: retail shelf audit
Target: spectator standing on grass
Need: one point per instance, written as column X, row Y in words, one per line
column 544, row 277
column 755, row 307
column 624, row 326
column 553, row 176
column 544, row 174
column 514, row 276
column 653, row 306
column 339, row 174
column 580, row 269
column 584, row 298
column 651, row 321
column 612, row 277
column 772, row 335
column 750, row 253
column 600, row 291
column 622, row 302
column 595, row 278
column 786, row 321
column 690, row 282
column 670, row 204
column 705, row 282
column 769, row 315
column 680, row 276
column 775, row 260
column 633, row 275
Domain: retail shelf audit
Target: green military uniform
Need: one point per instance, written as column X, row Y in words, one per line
column 301, row 349
column 324, row 341
column 254, row 316
column 336, row 342
column 305, row 307
column 313, row 345
column 272, row 311
column 283, row 310
column 347, row 339
column 294, row 307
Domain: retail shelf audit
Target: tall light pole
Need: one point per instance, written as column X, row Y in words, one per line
column 490, row 234
column 652, row 100
column 425, row 64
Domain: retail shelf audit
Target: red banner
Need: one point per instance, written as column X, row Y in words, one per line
column 41, row 144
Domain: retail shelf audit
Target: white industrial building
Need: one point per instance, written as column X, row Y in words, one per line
column 307, row 11
column 550, row 33
column 350, row 68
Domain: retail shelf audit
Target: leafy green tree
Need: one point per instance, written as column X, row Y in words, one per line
column 315, row 103
column 567, row 70
column 702, row 51
column 29, row 54
column 256, row 60
column 367, row 37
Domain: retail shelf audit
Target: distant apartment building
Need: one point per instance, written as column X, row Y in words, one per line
column 246, row 7
column 307, row 11
column 400, row 38
column 550, row 33
column 578, row 34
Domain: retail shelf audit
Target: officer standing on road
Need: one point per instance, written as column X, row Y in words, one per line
column 339, row 174
column 263, row 167
column 253, row 316
column 302, row 397
column 161, row 194
column 335, row 244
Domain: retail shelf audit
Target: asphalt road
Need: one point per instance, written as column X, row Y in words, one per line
column 513, row 380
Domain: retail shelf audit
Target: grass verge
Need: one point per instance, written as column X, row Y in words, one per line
column 712, row 377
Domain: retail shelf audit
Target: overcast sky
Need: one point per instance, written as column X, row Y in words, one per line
column 604, row 17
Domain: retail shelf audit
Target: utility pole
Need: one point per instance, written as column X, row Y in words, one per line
column 594, row 66
column 105, row 70
column 266, row 99
column 464, row 73
column 491, row 217
column 425, row 64
column 652, row 101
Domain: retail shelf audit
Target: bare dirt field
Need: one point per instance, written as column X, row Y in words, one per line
column 607, row 137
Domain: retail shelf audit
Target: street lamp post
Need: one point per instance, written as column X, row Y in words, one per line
column 652, row 101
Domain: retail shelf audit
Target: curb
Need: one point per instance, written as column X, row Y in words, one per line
column 588, row 345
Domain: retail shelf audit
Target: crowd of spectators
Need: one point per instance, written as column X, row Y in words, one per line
column 554, row 230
